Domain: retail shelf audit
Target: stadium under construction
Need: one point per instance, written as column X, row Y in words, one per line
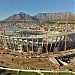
column 36, row 39
column 29, row 45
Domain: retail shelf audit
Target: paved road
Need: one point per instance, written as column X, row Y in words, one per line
column 38, row 71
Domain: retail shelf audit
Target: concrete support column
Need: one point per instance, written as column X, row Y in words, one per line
column 51, row 43
column 32, row 43
column 20, row 45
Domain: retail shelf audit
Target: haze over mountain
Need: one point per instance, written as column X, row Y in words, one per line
column 41, row 16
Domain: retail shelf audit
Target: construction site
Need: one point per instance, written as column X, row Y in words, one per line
column 25, row 46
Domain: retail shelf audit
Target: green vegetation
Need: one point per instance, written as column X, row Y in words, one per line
column 5, row 72
column 58, row 73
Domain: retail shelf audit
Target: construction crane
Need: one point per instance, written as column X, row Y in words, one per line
column 3, row 39
column 4, row 43
column 74, row 25
column 66, row 36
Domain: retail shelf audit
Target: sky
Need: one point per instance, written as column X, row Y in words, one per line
column 32, row 7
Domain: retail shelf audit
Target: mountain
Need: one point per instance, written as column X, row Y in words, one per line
column 52, row 16
column 20, row 16
column 41, row 16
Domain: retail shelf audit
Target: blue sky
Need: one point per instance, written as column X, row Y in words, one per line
column 32, row 7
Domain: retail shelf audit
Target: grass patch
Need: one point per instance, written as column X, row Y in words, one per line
column 64, row 73
column 6, row 72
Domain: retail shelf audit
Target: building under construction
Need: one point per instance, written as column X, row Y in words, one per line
column 28, row 41
column 35, row 39
column 41, row 47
